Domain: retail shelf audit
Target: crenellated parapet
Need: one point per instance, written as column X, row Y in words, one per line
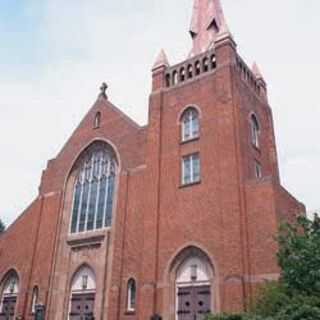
column 255, row 82
column 190, row 69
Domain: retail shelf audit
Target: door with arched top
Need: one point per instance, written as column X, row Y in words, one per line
column 9, row 297
column 193, row 290
column 83, row 292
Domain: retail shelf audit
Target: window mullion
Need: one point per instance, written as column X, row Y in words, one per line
column 98, row 193
column 89, row 193
column 80, row 201
column 107, row 193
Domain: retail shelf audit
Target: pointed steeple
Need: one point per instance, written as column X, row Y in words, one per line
column 207, row 21
column 162, row 60
column 256, row 71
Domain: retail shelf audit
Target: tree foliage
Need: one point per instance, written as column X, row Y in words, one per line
column 299, row 256
column 297, row 295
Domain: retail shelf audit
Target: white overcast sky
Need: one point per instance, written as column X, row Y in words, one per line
column 54, row 55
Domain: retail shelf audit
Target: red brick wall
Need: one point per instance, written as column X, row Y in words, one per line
column 17, row 250
column 230, row 216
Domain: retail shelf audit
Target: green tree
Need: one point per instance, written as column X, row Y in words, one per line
column 2, row 226
column 299, row 256
column 296, row 296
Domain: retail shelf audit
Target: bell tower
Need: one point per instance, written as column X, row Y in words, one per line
column 231, row 210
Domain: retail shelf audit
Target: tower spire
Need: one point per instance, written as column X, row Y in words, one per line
column 207, row 20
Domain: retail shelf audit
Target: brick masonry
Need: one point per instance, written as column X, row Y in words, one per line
column 230, row 216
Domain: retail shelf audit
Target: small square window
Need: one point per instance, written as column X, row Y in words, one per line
column 190, row 169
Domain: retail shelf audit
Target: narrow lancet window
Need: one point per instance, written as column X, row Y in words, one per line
column 97, row 120
column 131, row 304
column 255, row 131
column 35, row 297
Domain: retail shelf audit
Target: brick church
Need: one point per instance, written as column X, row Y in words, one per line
column 175, row 218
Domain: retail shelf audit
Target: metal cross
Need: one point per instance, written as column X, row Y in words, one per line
column 103, row 89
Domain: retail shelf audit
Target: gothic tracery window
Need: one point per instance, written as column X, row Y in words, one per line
column 94, row 190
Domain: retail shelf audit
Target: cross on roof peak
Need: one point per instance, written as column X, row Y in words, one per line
column 103, row 90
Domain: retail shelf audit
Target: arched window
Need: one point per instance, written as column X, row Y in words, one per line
column 131, row 295
column 198, row 68
column 97, row 120
column 175, row 77
column 205, row 63
column 255, row 131
column 9, row 296
column 83, row 291
column 35, row 297
column 94, row 189
column 182, row 74
column 168, row 80
column 190, row 124
column 190, row 71
column 213, row 62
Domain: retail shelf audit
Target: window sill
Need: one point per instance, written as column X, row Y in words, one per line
column 130, row 313
column 86, row 239
column 182, row 186
column 190, row 140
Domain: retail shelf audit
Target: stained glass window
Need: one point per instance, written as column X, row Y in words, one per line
column 93, row 191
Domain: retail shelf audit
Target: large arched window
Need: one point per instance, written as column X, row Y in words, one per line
column 190, row 124
column 94, row 189
column 131, row 295
column 83, row 291
column 9, row 296
column 255, row 131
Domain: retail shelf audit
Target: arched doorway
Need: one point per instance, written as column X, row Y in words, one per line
column 83, row 292
column 192, row 289
column 9, row 296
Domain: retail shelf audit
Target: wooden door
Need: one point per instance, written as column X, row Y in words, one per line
column 82, row 306
column 185, row 303
column 193, row 302
column 8, row 308
column 202, row 302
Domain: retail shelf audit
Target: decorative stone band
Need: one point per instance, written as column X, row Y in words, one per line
column 262, row 277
